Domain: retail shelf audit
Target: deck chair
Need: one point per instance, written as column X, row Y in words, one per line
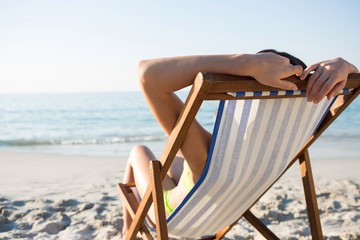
column 259, row 133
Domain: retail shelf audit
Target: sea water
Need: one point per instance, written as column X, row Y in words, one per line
column 82, row 123
column 108, row 123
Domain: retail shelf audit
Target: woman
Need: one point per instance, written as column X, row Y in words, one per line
column 160, row 78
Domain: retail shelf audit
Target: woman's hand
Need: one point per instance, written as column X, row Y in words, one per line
column 328, row 78
column 271, row 69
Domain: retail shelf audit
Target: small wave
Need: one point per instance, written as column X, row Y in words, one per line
column 113, row 140
column 100, row 141
column 23, row 143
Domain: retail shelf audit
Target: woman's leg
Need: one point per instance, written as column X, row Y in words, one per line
column 138, row 171
column 176, row 169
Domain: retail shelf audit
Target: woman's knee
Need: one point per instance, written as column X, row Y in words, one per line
column 140, row 153
column 139, row 149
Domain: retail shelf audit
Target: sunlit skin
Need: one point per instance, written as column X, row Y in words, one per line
column 328, row 78
column 160, row 78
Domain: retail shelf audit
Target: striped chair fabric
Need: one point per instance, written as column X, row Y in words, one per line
column 253, row 142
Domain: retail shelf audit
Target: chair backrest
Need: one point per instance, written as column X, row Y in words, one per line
column 254, row 140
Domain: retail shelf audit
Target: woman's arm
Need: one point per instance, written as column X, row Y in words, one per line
column 171, row 74
column 161, row 77
column 328, row 79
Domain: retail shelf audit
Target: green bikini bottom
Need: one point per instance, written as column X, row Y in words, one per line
column 188, row 185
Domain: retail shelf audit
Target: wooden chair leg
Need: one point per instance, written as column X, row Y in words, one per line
column 260, row 226
column 158, row 199
column 254, row 221
column 131, row 204
column 310, row 196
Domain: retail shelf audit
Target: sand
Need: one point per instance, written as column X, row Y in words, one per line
column 47, row 196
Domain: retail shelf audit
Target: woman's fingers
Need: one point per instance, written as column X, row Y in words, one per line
column 336, row 89
column 316, row 81
column 290, row 71
column 327, row 86
column 296, row 70
column 279, row 82
column 308, row 70
column 327, row 83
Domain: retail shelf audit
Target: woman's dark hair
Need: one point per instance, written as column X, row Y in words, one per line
column 293, row 60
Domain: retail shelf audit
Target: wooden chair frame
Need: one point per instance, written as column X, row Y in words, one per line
column 210, row 86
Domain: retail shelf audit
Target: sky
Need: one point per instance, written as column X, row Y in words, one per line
column 87, row 45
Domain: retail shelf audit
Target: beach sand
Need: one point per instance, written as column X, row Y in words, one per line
column 47, row 196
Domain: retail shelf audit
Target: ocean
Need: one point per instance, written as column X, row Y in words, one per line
column 107, row 123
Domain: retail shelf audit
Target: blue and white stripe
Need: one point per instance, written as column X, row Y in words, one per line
column 277, row 93
column 253, row 142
